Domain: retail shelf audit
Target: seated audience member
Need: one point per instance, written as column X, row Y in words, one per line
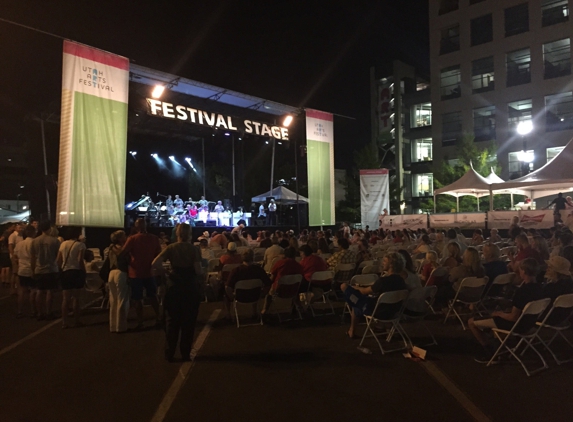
column 310, row 264
column 529, row 291
column 362, row 300
column 514, row 229
column 493, row 266
column 453, row 256
column 471, row 267
column 313, row 244
column 461, row 239
column 293, row 243
column 206, row 253
column 440, row 244
column 409, row 274
column 398, row 237
column 424, row 246
column 477, row 238
column 219, row 239
column 567, row 253
column 430, row 265
column 266, row 242
column 323, row 247
column 559, row 282
column 494, row 236
column 453, row 237
column 363, row 252
column 540, row 245
column 284, row 266
column 247, row 271
column 563, row 239
column 524, row 250
column 272, row 252
column 231, row 256
column 343, row 256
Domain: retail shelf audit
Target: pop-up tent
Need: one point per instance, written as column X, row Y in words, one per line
column 472, row 183
column 282, row 196
column 554, row 177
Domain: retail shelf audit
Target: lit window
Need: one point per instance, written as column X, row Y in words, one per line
column 422, row 184
column 422, row 150
column 552, row 152
column 518, row 111
column 520, row 163
column 421, row 115
column 557, row 58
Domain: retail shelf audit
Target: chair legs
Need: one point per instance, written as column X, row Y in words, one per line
column 513, row 352
column 260, row 317
column 547, row 344
column 396, row 327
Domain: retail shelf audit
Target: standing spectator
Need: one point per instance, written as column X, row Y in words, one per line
column 117, row 283
column 26, row 286
column 71, row 261
column 182, row 298
column 45, row 269
column 5, row 263
column 560, row 205
column 142, row 248
column 13, row 240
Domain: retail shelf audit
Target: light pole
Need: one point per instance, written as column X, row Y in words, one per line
column 524, row 128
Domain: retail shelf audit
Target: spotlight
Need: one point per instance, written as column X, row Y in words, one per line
column 280, row 143
column 172, row 158
column 133, row 153
column 227, row 134
column 157, row 91
column 188, row 159
column 154, row 155
column 267, row 142
column 287, row 121
column 240, row 139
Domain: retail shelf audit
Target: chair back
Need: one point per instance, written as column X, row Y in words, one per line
column 529, row 316
column 259, row 251
column 345, row 267
column 471, row 290
column 365, row 264
column 212, row 265
column 389, row 298
column 438, row 277
column 560, row 312
column 288, row 286
column 364, row 279
column 322, row 276
column 227, row 268
column 218, row 253
column 248, row 291
column 242, row 249
column 420, row 300
column 390, row 305
column 504, row 279
column 96, row 252
column 371, row 269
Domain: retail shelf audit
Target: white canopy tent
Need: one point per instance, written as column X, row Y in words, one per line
column 554, row 177
column 472, row 183
column 282, row 196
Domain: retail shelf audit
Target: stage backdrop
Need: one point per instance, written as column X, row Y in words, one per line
column 374, row 188
column 93, row 137
column 320, row 159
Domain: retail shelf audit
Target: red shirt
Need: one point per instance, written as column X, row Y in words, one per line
column 230, row 259
column 529, row 252
column 219, row 239
column 285, row 266
column 312, row 264
column 142, row 249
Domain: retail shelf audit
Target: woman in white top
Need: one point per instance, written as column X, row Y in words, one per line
column 26, row 285
column 71, row 261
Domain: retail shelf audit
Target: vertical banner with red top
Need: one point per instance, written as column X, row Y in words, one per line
column 93, row 137
column 374, row 196
column 320, row 159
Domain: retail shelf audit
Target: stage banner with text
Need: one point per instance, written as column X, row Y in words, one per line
column 404, row 221
column 374, row 188
column 320, row 160
column 93, row 137
column 469, row 220
column 540, row 219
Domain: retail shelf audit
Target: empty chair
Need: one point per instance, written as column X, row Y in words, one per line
column 558, row 320
column 379, row 315
column 469, row 294
column 418, row 306
column 524, row 329
column 320, row 286
column 248, row 292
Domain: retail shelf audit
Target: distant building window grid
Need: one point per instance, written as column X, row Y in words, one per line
column 552, row 152
column 481, row 30
column 422, row 184
column 447, row 6
column 518, row 111
column 557, row 58
column 516, row 19
column 451, row 128
column 450, row 79
column 483, row 75
column 516, row 166
column 559, row 112
column 421, row 115
column 518, row 67
column 422, row 150
column 554, row 11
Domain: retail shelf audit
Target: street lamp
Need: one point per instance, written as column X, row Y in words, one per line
column 524, row 128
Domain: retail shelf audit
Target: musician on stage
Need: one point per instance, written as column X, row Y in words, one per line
column 262, row 211
column 219, row 208
column 169, row 202
column 193, row 212
column 272, row 213
column 178, row 203
column 203, row 202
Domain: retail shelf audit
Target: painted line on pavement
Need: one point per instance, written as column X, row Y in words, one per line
column 184, row 371
column 40, row 331
column 453, row 389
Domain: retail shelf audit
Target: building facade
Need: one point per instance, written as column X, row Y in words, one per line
column 495, row 64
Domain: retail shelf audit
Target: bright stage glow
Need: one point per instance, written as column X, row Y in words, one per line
column 227, row 134
column 154, row 155
column 280, row 143
column 172, row 158
column 525, row 127
column 188, row 159
column 287, row 121
column 133, row 153
column 267, row 142
column 157, row 91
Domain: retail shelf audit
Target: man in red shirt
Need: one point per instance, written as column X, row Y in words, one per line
column 142, row 249
column 524, row 250
column 310, row 264
column 220, row 240
column 284, row 266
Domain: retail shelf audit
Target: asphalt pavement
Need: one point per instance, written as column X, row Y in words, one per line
column 297, row 370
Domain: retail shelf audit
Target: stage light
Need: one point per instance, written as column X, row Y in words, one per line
column 525, row 127
column 240, row 139
column 267, row 142
column 133, row 153
column 280, row 143
column 188, row 159
column 227, row 134
column 172, row 158
column 154, row 155
column 157, row 91
column 287, row 121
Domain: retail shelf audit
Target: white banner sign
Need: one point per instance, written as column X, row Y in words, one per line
column 406, row 221
column 540, row 219
column 469, row 220
column 374, row 189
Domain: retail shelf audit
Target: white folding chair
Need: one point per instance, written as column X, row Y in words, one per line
column 362, row 280
column 387, row 298
column 469, row 294
column 371, row 269
column 248, row 292
column 417, row 307
column 342, row 274
column 524, row 329
column 489, row 296
column 439, row 274
column 365, row 264
column 287, row 291
column 557, row 319
column 94, row 284
column 315, row 286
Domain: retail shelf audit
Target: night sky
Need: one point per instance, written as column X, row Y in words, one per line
column 308, row 54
